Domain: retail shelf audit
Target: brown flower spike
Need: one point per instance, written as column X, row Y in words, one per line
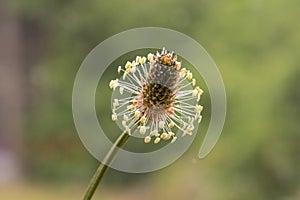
column 163, row 96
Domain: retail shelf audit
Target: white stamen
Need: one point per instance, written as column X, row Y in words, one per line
column 157, row 140
column 124, row 124
column 147, row 139
column 188, row 132
column 198, row 109
column 143, row 119
column 114, row 117
column 125, row 117
column 195, row 92
column 171, row 133
column 119, row 69
column 137, row 114
column 138, row 59
column 143, row 130
column 199, row 97
column 154, row 133
column 178, row 65
column 183, row 72
column 131, row 107
column 133, row 69
column 121, row 90
column 174, row 139
column 116, row 101
column 161, row 124
column 127, row 65
column 200, row 91
column 194, row 82
column 150, row 57
column 200, row 119
column 124, row 75
column 143, row 60
column 189, row 75
column 171, row 124
column 113, row 84
column 190, row 128
column 164, row 136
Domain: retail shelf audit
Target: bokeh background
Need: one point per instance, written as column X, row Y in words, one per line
column 255, row 44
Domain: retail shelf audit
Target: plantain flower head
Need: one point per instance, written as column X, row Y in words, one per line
column 161, row 97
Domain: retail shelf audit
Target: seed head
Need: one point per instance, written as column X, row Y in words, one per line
column 163, row 97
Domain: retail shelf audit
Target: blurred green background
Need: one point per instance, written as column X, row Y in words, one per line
column 255, row 44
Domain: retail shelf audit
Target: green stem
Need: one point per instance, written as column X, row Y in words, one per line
column 103, row 166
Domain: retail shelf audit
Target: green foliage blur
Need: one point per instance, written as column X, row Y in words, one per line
column 255, row 44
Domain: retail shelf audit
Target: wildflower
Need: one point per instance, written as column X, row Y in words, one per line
column 162, row 97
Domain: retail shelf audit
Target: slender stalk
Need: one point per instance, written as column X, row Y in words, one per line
column 103, row 166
